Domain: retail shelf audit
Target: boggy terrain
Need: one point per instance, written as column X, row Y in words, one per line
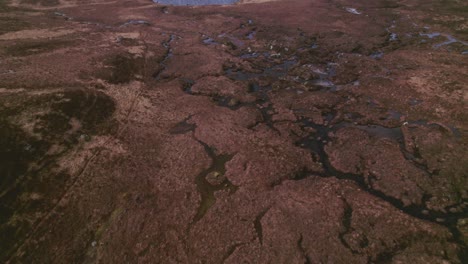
column 308, row 131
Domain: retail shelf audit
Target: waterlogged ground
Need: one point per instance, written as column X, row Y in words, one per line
column 277, row 132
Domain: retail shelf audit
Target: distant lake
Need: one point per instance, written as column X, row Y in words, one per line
column 195, row 2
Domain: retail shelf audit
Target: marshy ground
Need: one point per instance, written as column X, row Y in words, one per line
column 261, row 132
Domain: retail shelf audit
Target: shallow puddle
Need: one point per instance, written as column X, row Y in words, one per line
column 377, row 55
column 383, row 132
column 195, row 2
column 204, row 184
column 415, row 101
column 353, row 11
column 276, row 71
column 209, row 41
column 251, row 35
column 136, row 22
column 449, row 39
